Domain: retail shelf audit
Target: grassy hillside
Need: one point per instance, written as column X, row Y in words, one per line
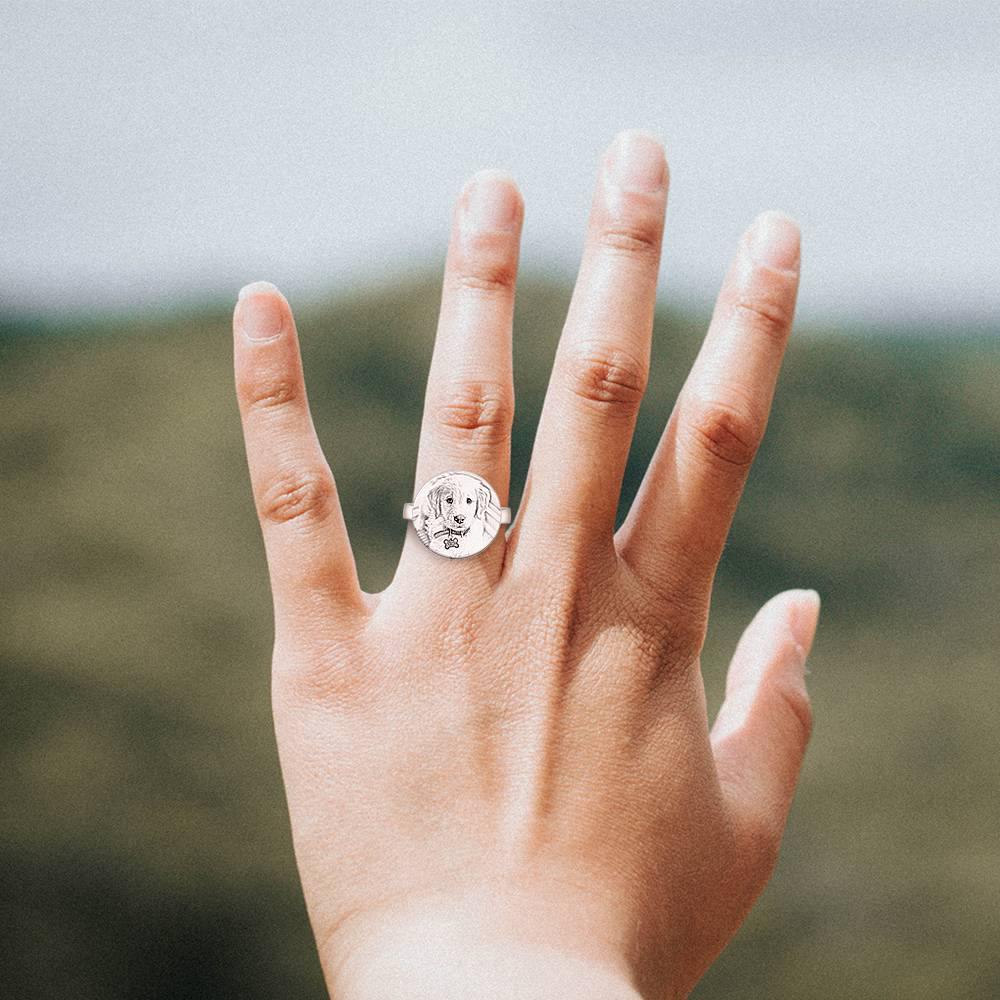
column 144, row 846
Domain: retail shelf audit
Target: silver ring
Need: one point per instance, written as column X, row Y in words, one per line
column 456, row 514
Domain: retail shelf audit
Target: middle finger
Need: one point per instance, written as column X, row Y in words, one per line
column 601, row 364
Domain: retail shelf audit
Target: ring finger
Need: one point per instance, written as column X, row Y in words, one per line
column 469, row 403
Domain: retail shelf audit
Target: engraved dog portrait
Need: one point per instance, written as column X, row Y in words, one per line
column 457, row 515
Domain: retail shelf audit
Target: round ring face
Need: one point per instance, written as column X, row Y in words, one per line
column 456, row 514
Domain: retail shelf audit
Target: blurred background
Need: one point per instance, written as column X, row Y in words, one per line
column 156, row 157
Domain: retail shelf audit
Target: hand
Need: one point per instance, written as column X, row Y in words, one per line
column 499, row 770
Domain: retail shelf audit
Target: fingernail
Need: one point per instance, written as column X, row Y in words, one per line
column 774, row 241
column 803, row 621
column 262, row 317
column 257, row 286
column 490, row 202
column 636, row 162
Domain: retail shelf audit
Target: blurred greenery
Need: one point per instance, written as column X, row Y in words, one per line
column 144, row 838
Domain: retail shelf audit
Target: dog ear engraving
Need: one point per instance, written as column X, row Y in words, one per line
column 482, row 501
column 434, row 499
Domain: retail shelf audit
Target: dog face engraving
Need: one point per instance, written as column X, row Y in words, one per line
column 453, row 514
column 455, row 505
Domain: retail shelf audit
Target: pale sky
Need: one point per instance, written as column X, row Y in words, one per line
column 159, row 151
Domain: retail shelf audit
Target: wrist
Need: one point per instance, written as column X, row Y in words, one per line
column 420, row 966
column 479, row 946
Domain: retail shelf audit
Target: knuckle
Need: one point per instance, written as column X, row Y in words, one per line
column 671, row 621
column 798, row 708
column 677, row 640
column 768, row 314
column 729, row 433
column 329, row 673
column 680, row 634
column 300, row 496
column 336, row 683
column 270, row 393
column 638, row 238
column 480, row 412
column 487, row 276
column 609, row 379
column 671, row 643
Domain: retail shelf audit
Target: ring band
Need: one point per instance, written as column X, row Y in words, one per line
column 456, row 514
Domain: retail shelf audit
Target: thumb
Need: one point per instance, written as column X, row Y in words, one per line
column 760, row 734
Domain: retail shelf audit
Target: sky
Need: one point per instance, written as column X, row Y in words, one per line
column 157, row 152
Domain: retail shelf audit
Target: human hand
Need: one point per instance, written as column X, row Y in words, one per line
column 500, row 773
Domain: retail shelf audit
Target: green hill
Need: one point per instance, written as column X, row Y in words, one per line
column 144, row 843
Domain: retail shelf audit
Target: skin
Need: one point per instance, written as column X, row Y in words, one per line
column 500, row 773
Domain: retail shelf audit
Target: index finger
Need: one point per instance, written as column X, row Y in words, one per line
column 675, row 532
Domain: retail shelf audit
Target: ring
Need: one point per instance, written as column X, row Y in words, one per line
column 456, row 514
